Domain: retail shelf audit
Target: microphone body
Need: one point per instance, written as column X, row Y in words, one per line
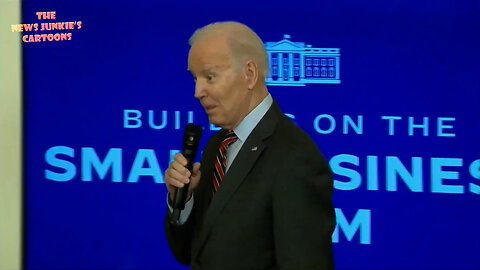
column 191, row 140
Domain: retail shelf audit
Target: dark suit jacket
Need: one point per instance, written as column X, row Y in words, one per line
column 273, row 209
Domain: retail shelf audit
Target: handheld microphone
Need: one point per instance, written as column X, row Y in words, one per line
column 191, row 139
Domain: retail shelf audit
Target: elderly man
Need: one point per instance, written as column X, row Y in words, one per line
column 261, row 198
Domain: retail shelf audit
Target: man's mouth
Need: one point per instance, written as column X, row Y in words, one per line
column 209, row 108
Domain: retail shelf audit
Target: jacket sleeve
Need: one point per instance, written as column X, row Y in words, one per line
column 179, row 239
column 303, row 214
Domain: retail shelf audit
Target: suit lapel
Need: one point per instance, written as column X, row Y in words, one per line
column 241, row 166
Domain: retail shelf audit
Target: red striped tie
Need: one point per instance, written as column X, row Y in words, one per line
column 221, row 160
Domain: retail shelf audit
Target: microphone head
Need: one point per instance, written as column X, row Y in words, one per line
column 191, row 140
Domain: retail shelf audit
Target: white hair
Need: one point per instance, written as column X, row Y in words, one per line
column 244, row 43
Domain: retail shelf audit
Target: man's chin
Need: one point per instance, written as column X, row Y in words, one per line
column 214, row 121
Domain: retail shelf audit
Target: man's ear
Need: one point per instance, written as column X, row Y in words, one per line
column 251, row 74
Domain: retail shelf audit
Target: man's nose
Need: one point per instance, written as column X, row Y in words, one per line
column 200, row 90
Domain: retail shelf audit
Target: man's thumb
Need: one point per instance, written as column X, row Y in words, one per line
column 196, row 168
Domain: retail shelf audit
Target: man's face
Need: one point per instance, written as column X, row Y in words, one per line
column 219, row 85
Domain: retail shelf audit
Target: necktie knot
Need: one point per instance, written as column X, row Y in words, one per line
column 229, row 139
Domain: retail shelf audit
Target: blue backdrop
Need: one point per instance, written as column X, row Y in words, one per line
column 398, row 119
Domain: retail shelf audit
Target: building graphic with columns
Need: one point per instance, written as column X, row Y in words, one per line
column 296, row 64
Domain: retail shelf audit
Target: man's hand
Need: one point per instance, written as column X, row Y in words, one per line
column 177, row 175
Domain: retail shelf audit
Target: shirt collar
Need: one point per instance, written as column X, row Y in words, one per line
column 250, row 121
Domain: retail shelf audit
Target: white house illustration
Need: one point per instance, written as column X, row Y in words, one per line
column 296, row 64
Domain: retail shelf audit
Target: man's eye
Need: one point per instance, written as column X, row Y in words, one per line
column 210, row 77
